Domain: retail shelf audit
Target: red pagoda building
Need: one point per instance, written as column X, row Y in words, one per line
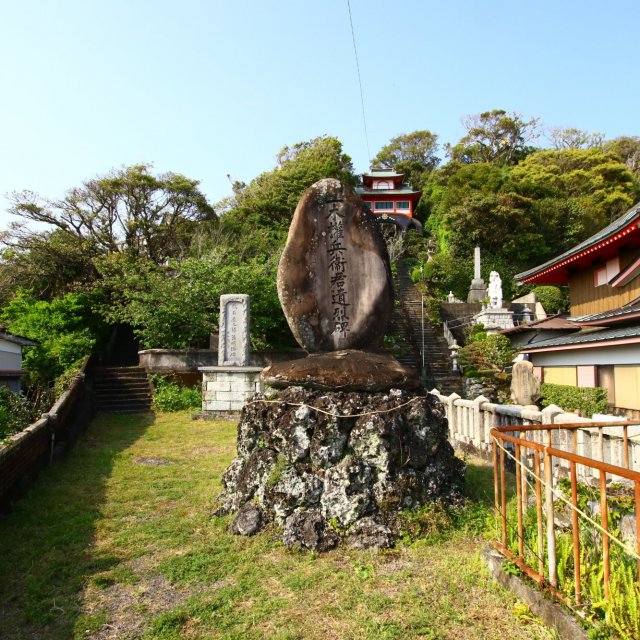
column 386, row 195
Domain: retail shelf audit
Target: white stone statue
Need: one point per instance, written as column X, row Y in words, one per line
column 495, row 290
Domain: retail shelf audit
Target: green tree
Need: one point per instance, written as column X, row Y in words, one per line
column 178, row 306
column 269, row 200
column 571, row 138
column 414, row 154
column 67, row 329
column 129, row 210
column 495, row 136
column 627, row 148
column 502, row 226
column 576, row 192
column 48, row 263
column 553, row 299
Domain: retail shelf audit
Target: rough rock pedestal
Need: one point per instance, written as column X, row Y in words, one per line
column 331, row 466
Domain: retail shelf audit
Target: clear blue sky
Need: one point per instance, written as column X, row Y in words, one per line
column 209, row 88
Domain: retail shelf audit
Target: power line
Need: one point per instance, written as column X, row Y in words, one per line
column 355, row 50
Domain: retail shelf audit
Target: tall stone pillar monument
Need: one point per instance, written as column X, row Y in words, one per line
column 478, row 290
column 227, row 387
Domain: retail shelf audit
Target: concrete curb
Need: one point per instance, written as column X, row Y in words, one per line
column 552, row 614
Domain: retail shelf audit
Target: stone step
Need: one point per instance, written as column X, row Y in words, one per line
column 121, row 387
column 122, row 390
column 415, row 329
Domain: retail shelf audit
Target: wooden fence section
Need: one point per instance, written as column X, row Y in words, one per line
column 30, row 450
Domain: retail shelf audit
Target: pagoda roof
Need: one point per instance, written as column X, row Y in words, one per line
column 16, row 339
column 378, row 192
column 551, row 323
column 383, row 174
column 587, row 338
column 614, row 316
column 603, row 244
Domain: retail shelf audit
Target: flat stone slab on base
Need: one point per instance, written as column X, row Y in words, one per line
column 347, row 370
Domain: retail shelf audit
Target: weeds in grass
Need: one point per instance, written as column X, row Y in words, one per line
column 104, row 542
column 168, row 395
column 619, row 616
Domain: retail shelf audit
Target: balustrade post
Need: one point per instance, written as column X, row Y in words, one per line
column 451, row 415
column 478, row 421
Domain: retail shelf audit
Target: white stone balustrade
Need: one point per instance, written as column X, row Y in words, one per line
column 470, row 422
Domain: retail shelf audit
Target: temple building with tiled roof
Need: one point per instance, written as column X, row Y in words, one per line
column 603, row 275
column 387, row 195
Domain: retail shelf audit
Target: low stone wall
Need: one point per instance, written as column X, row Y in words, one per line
column 190, row 360
column 33, row 448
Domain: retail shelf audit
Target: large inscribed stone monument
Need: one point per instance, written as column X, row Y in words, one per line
column 345, row 442
column 334, row 277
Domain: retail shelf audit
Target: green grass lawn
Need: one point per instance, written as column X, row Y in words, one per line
column 116, row 542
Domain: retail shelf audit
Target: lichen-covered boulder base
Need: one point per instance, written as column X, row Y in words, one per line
column 322, row 477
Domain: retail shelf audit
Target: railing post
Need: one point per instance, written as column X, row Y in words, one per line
column 549, row 414
column 451, row 415
column 478, row 421
column 551, row 530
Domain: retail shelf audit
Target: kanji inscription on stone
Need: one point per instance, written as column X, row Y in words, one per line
column 334, row 278
column 233, row 349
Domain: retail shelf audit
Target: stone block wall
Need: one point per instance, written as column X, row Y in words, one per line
column 227, row 389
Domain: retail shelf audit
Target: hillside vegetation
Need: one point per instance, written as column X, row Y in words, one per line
column 151, row 252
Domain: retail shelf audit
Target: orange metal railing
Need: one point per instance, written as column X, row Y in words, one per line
column 534, row 468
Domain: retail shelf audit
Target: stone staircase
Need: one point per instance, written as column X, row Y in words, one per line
column 407, row 328
column 122, row 390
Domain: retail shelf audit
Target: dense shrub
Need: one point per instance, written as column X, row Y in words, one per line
column 553, row 299
column 171, row 396
column 16, row 412
column 490, row 354
column 586, row 400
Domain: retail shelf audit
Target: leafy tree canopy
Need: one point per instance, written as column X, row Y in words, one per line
column 270, row 199
column 627, row 148
column 49, row 263
column 67, row 329
column 129, row 210
column 553, row 299
column 494, row 136
column 413, row 154
column 576, row 192
column 178, row 306
column 571, row 138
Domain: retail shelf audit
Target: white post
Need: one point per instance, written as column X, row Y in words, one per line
column 478, row 421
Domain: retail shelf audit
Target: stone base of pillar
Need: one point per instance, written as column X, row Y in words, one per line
column 227, row 389
column 495, row 320
column 477, row 291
